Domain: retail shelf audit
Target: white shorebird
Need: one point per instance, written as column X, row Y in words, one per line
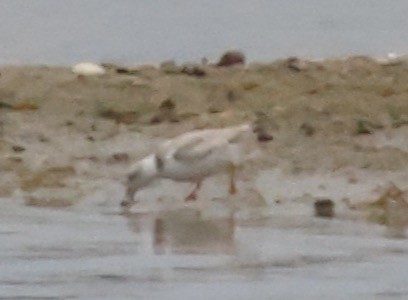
column 192, row 157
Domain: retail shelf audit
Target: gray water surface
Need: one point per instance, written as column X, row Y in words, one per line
column 127, row 31
column 94, row 252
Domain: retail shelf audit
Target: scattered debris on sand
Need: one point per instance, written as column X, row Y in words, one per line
column 315, row 115
column 390, row 209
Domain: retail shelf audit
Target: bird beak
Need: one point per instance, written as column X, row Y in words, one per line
column 127, row 203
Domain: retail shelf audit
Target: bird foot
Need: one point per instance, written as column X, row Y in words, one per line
column 127, row 203
column 191, row 197
column 232, row 190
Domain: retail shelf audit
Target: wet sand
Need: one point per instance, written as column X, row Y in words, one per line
column 66, row 141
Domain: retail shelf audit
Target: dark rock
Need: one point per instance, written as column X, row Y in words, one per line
column 120, row 69
column 167, row 112
column 121, row 157
column 193, row 70
column 170, row 67
column 265, row 137
column 43, row 139
column 157, row 119
column 125, row 117
column 307, row 129
column 363, row 128
column 5, row 105
column 324, row 208
column 295, row 64
column 214, row 109
column 127, row 71
column 231, row 96
column 174, row 119
column 17, row 148
column 128, row 117
column 366, row 127
column 167, row 105
column 261, row 127
column 231, row 58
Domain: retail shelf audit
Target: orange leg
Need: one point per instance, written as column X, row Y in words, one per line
column 232, row 187
column 130, row 193
column 193, row 195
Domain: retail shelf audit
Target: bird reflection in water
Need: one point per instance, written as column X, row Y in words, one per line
column 185, row 231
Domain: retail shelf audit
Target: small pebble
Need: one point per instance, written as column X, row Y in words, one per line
column 17, row 148
column 264, row 137
column 170, row 67
column 366, row 127
column 362, row 128
column 121, row 157
column 193, row 70
column 167, row 112
column 43, row 139
column 88, row 69
column 307, row 129
column 324, row 208
column 293, row 64
column 231, row 96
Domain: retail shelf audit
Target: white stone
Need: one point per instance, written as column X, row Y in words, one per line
column 88, row 69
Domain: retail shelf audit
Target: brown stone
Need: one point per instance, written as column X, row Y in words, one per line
column 231, row 58
column 324, row 208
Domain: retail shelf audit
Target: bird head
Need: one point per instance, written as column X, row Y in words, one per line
column 143, row 173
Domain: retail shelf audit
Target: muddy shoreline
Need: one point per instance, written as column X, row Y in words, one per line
column 59, row 128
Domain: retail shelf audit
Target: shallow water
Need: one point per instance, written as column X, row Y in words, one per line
column 94, row 251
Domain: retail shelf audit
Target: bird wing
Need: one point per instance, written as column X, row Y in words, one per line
column 199, row 144
column 196, row 148
column 234, row 134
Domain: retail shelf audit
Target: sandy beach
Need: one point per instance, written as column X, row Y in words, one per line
column 324, row 116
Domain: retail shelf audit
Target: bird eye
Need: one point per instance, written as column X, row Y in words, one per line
column 132, row 176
